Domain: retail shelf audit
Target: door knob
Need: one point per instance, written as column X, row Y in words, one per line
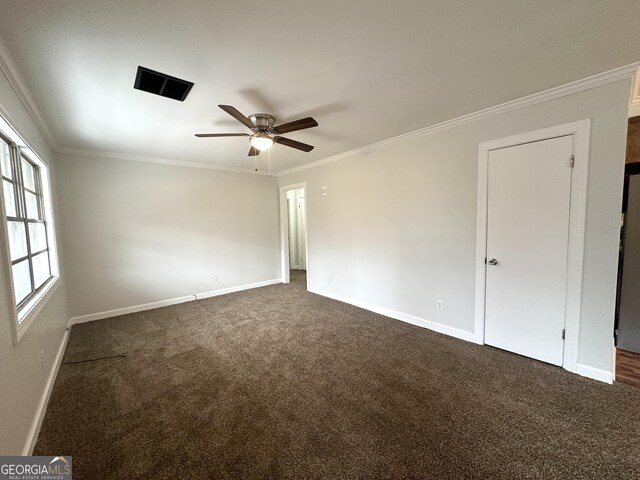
column 492, row 262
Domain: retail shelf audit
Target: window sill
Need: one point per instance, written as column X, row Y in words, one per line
column 28, row 313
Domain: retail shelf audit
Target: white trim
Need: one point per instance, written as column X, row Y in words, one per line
column 32, row 437
column 10, row 70
column 594, row 373
column 85, row 152
column 528, row 101
column 134, row 309
column 7, row 273
column 284, row 230
column 7, row 65
column 9, row 121
column 22, row 319
column 224, row 291
column 165, row 303
column 580, row 131
column 33, row 309
column 403, row 317
column 634, row 100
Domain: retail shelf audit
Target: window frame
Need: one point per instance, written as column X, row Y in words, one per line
column 25, row 312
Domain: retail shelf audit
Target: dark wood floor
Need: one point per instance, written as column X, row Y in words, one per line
column 628, row 367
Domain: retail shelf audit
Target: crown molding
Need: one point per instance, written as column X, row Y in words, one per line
column 86, row 152
column 587, row 83
column 10, row 70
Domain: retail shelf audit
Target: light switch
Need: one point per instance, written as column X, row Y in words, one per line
column 323, row 190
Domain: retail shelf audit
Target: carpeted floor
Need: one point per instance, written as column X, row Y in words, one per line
column 277, row 382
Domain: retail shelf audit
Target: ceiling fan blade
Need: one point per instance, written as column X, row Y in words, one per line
column 238, row 116
column 203, row 135
column 293, row 144
column 253, row 152
column 296, row 125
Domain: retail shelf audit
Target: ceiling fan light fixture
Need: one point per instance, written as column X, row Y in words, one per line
column 261, row 141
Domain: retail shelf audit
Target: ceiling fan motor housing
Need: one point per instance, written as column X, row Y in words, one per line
column 263, row 121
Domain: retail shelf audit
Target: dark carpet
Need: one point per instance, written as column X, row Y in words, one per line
column 277, row 382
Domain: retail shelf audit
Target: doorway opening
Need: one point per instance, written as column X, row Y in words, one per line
column 294, row 238
column 626, row 332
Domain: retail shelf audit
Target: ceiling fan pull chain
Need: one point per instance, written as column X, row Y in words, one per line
column 256, row 159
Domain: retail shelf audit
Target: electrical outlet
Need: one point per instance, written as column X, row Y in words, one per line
column 214, row 278
column 440, row 305
column 330, row 279
column 42, row 358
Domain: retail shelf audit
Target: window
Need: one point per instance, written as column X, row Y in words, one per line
column 28, row 227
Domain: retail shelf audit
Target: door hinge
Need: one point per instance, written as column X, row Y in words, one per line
column 563, row 332
column 572, row 161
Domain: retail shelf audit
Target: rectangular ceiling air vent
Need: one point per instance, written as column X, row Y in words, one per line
column 161, row 84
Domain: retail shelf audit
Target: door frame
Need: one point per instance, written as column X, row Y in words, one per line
column 284, row 231
column 580, row 131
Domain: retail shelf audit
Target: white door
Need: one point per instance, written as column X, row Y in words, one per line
column 529, row 189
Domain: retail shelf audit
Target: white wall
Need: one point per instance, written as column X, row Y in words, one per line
column 397, row 227
column 143, row 232
column 22, row 378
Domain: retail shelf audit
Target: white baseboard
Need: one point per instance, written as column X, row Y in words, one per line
column 224, row 291
column 44, row 399
column 123, row 311
column 584, row 370
column 404, row 317
column 594, row 373
column 165, row 303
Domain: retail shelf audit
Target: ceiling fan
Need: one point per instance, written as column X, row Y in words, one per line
column 265, row 134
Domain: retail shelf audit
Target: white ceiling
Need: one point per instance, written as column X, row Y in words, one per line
column 366, row 70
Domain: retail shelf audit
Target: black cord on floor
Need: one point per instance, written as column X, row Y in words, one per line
column 96, row 359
